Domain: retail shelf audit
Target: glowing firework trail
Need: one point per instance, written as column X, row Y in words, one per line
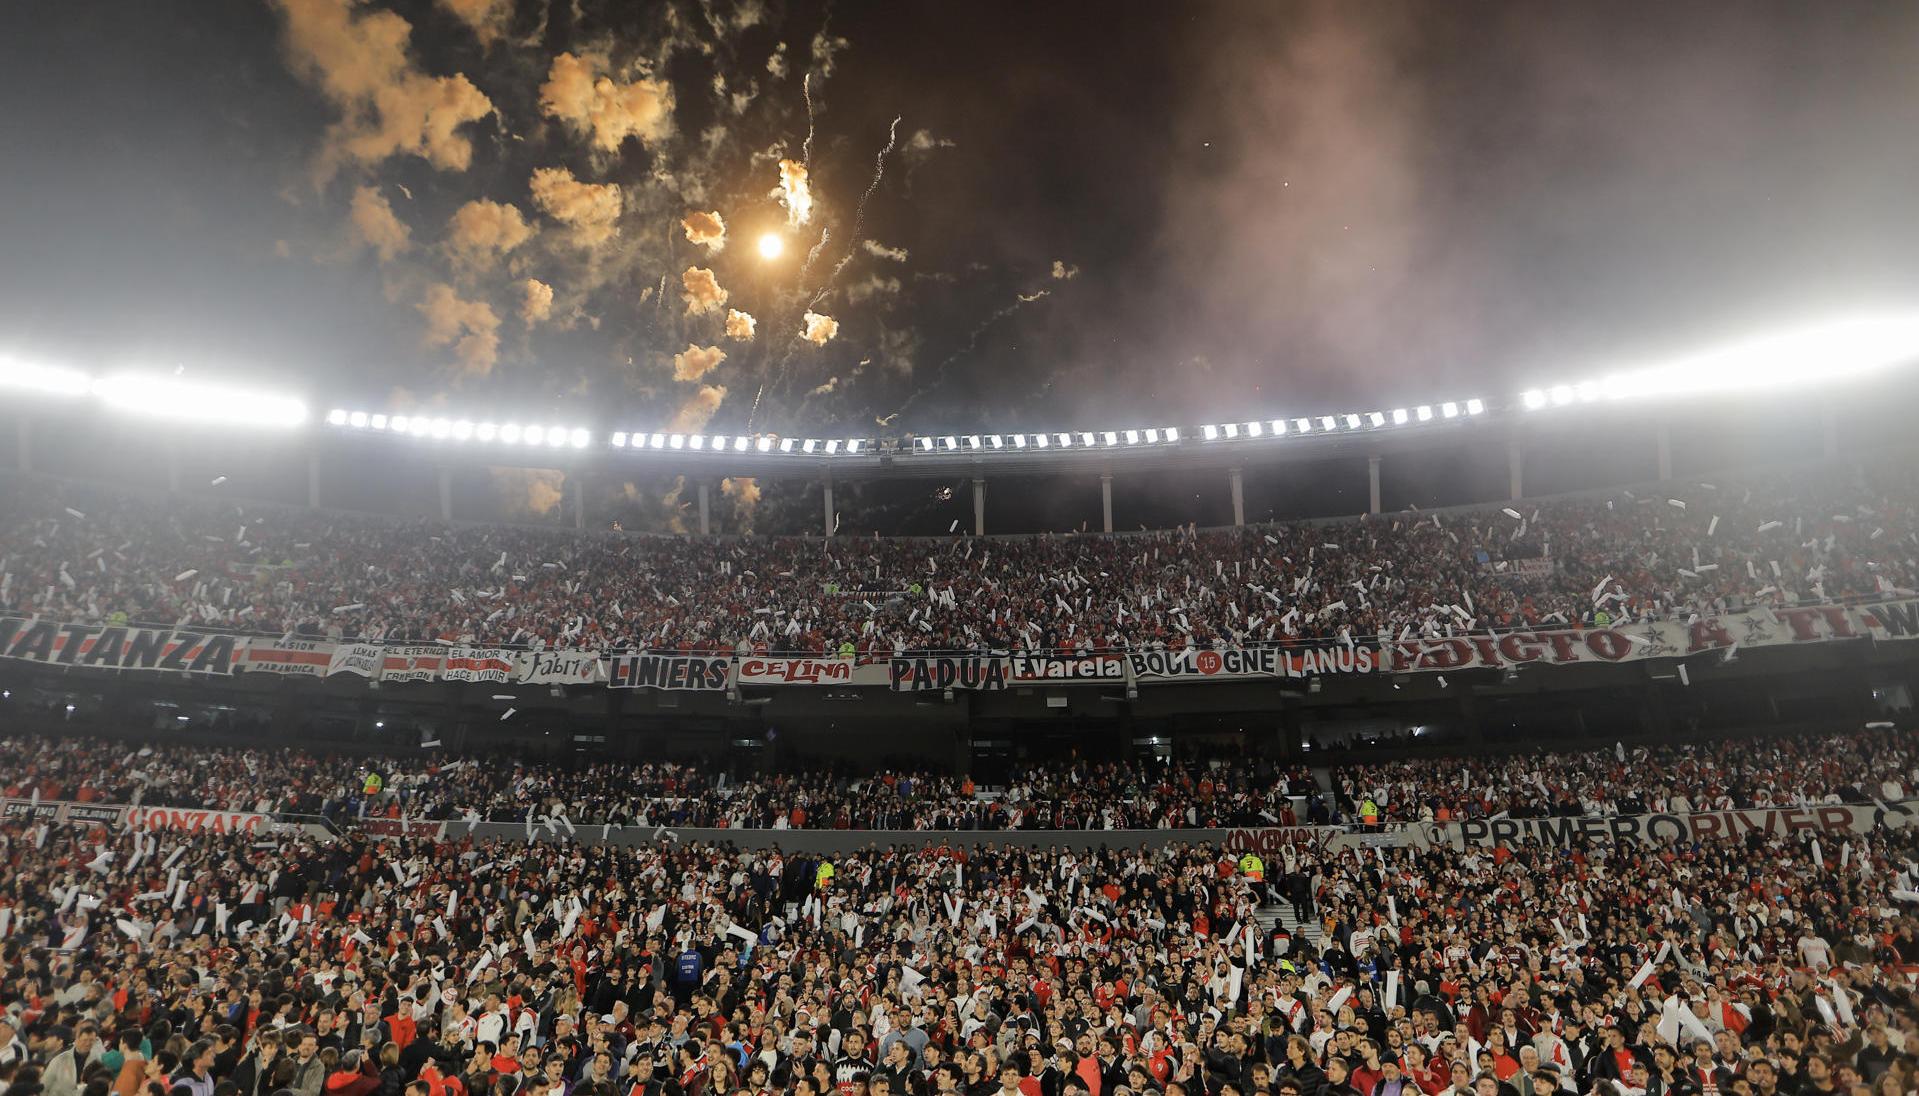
column 806, row 89
column 826, row 233
column 1020, row 300
column 859, row 212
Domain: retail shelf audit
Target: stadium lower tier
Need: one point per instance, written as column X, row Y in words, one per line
column 154, row 951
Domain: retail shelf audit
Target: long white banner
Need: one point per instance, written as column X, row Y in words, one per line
column 183, row 650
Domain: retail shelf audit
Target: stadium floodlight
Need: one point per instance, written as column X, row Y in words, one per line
column 1400, row 416
column 741, row 444
column 462, row 429
column 1040, row 441
column 398, row 424
column 534, row 435
column 336, row 417
column 1533, row 398
column 832, row 446
column 1230, row 429
column 619, row 439
column 1255, row 429
column 197, row 401
column 357, row 420
column 1588, row 391
column 1449, row 409
column 486, row 431
column 1110, row 437
column 579, row 437
column 949, row 442
column 1352, row 421
column 1475, row 406
column 1019, row 440
column 442, row 428
column 1086, row 438
column 1327, row 422
column 556, row 436
column 1172, row 433
column 786, row 445
column 45, row 380
column 972, row 441
column 994, row 441
column 1561, row 394
column 809, row 445
column 1303, row 425
column 656, row 441
column 1065, row 441
column 696, row 441
column 1377, row 418
column 1209, row 432
column 377, row 422
column 676, row 441
column 854, row 445
column 1279, row 427
column 1424, row 412
column 419, row 426
column 1152, row 435
column 925, row 444
column 764, row 444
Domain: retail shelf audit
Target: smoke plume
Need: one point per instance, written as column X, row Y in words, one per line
column 745, row 493
column 470, row 327
column 881, row 251
column 739, row 325
column 820, row 329
column 1063, row 272
column 373, row 217
column 703, row 293
column 486, row 18
column 580, row 94
column 481, row 231
column 387, row 106
column 706, row 229
column 530, row 492
column 591, row 210
column 536, row 301
column 698, row 410
column 696, row 361
column 795, row 192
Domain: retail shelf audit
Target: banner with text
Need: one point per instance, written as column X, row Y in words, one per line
column 109, row 647
column 673, row 673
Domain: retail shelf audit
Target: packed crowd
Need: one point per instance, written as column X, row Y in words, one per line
column 1878, row 763
column 1077, row 796
column 293, row 961
column 90, row 553
column 1851, row 767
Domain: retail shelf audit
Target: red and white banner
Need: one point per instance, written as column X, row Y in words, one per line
column 413, row 664
column 287, row 656
column 188, row 818
column 477, row 664
column 359, row 659
column 758, row 670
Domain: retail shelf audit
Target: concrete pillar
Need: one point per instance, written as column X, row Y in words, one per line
column 23, row 439
column 1829, row 430
column 1239, row 496
column 1372, row 485
column 173, row 466
column 979, row 507
column 446, row 494
column 827, row 516
column 706, row 514
column 577, row 486
column 1515, row 469
column 313, row 480
column 1665, row 451
column 1106, row 501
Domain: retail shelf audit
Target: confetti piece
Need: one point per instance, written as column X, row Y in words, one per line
column 218, row 480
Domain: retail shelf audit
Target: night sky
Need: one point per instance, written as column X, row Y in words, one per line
column 1089, row 216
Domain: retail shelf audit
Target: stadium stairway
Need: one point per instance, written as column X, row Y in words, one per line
column 1281, row 914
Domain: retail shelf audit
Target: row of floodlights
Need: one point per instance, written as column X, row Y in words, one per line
column 739, row 443
column 1330, row 424
column 443, row 429
column 1084, row 439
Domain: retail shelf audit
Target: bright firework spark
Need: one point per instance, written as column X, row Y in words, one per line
column 771, row 245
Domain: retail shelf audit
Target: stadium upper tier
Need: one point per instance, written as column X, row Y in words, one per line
column 84, row 552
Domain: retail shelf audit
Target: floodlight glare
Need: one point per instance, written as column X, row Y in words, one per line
column 1172, row 433
column 1352, row 421
column 1475, row 406
column 1533, row 398
column 1327, row 422
column 1305, row 425
column 1231, row 429
column 676, row 441
column 764, row 444
column 1254, row 430
column 44, row 379
column 740, row 444
column 1424, row 413
column 656, row 441
column 1377, row 418
column 619, row 439
column 398, row 424
column 1209, row 432
column 175, row 398
column 1400, row 416
column 336, row 417
column 786, row 445
column 1040, row 441
column 994, row 441
column 1449, row 409
column 462, row 430
column 1066, row 441
column 853, row 445
column 1019, row 440
column 809, row 445
column 419, row 426
column 357, row 420
column 579, row 437
column 442, row 428
column 534, row 435
column 972, row 441
column 1086, row 437
column 696, row 441
column 1279, row 427
column 1109, row 437
column 832, row 446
